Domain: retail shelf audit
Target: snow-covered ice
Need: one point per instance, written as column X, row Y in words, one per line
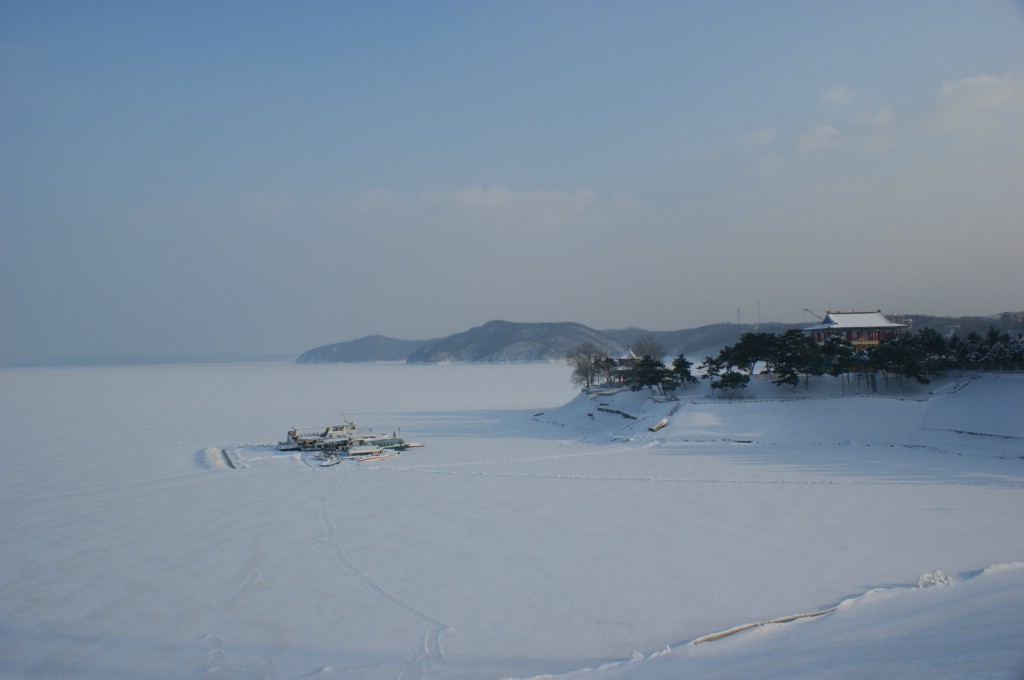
column 150, row 530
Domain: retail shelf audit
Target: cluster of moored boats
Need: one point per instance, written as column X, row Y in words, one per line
column 344, row 441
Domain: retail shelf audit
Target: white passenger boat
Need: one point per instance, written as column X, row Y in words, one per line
column 336, row 442
column 317, row 438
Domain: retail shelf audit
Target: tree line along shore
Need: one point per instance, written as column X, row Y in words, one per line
column 789, row 356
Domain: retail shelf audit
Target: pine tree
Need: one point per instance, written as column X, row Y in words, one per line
column 900, row 355
column 752, row 348
column 793, row 355
column 681, row 369
column 933, row 346
column 710, row 368
column 648, row 372
column 730, row 381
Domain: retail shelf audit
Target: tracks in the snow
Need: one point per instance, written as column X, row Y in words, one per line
column 431, row 652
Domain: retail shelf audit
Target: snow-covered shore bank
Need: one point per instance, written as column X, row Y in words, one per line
column 972, row 405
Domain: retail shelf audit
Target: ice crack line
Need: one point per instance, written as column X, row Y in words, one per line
column 432, row 651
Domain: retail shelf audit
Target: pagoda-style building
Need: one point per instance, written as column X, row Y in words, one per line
column 624, row 366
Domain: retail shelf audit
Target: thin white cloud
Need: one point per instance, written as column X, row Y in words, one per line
column 502, row 205
column 502, row 198
column 820, row 139
column 758, row 137
column 881, row 117
column 876, row 130
column 982, row 103
column 769, row 164
column 837, row 96
column 473, row 209
column 371, row 199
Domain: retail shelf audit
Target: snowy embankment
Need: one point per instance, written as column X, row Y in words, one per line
column 537, row 533
column 825, row 413
column 968, row 625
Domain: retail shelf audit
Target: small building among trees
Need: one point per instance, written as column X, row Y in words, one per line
column 624, row 366
column 862, row 329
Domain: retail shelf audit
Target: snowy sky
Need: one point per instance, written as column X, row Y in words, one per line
column 188, row 177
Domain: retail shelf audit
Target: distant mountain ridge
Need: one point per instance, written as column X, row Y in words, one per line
column 694, row 341
column 370, row 348
column 506, row 341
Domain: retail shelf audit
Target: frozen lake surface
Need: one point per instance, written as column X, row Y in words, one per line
column 537, row 533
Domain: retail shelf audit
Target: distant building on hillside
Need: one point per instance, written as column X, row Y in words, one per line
column 624, row 366
column 863, row 329
column 1012, row 319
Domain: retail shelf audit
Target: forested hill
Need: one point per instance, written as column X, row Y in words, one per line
column 505, row 341
column 694, row 341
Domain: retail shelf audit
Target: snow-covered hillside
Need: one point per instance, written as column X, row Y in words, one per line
column 539, row 532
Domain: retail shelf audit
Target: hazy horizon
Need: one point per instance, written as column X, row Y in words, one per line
column 136, row 359
column 186, row 179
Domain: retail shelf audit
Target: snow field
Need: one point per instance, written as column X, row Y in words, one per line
column 512, row 545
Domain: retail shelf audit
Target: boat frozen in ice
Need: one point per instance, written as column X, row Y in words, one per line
column 317, row 438
column 363, row 448
column 336, row 442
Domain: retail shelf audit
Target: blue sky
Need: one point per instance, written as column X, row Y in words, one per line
column 197, row 177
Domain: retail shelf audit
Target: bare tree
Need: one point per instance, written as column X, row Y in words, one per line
column 586, row 363
column 647, row 346
column 607, row 369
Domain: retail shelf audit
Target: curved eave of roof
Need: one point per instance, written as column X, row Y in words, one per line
column 838, row 327
column 859, row 326
column 855, row 320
